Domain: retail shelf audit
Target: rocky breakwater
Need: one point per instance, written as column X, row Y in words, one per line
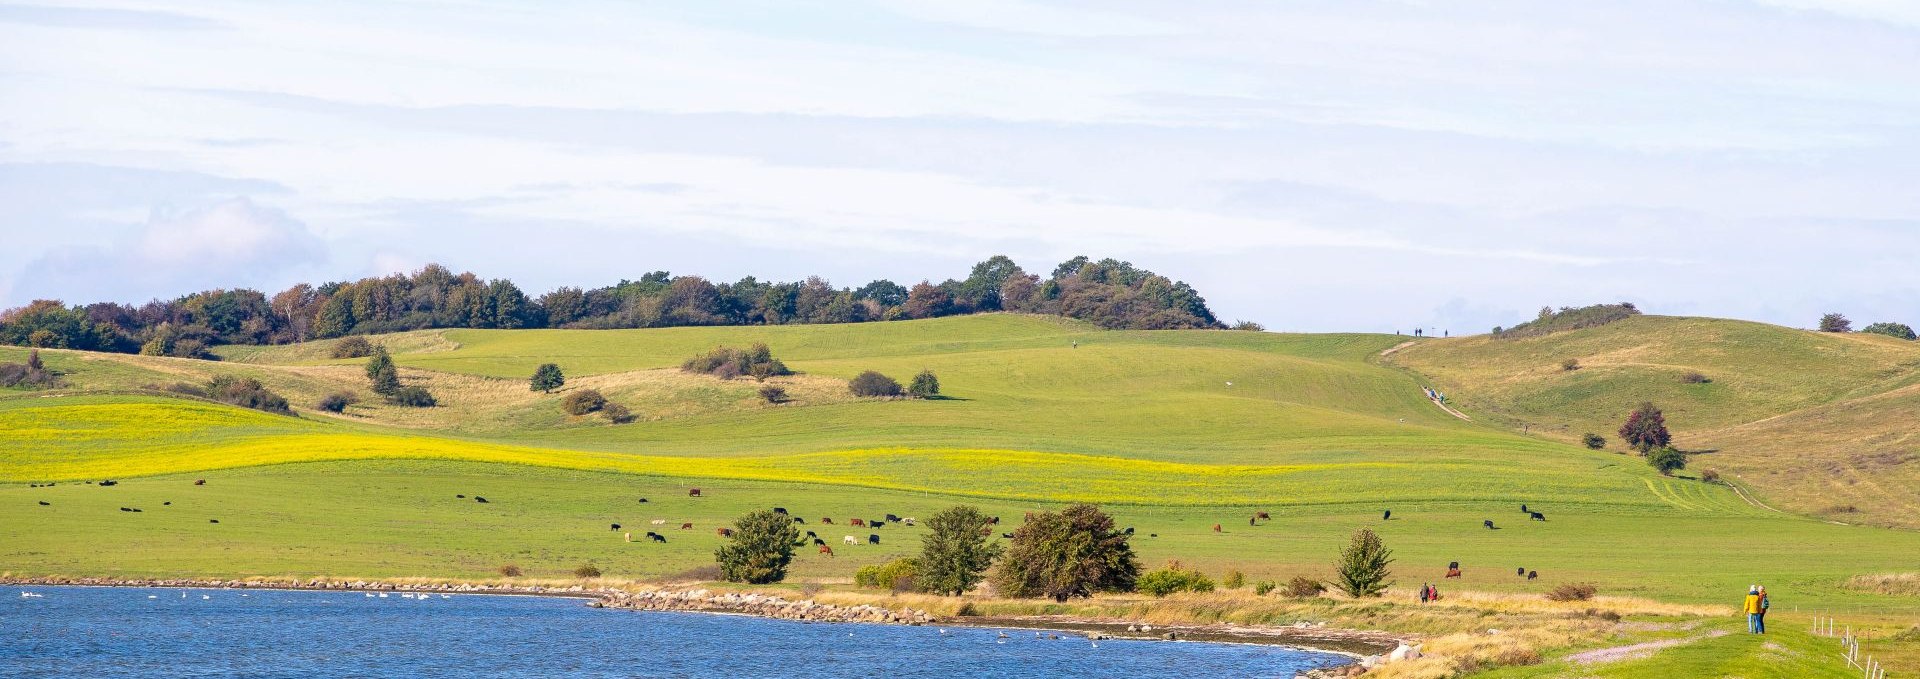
column 762, row 605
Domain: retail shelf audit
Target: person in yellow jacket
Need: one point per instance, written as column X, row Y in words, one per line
column 1752, row 608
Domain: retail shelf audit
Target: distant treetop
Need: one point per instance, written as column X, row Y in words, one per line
column 1109, row 293
column 1569, row 318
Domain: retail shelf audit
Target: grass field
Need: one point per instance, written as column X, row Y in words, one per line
column 1172, row 431
column 1819, row 423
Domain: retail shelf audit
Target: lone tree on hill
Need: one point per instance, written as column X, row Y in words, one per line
column 1667, row 460
column 759, row 549
column 925, row 385
column 1646, row 429
column 1362, row 568
column 1594, row 441
column 955, row 554
column 1073, row 553
column 384, row 378
column 1835, row 323
column 547, row 378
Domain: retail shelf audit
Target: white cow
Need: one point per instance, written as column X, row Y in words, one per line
column 658, row 522
column 851, row 540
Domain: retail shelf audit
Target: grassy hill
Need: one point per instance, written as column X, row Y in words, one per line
column 1173, row 431
column 1817, row 423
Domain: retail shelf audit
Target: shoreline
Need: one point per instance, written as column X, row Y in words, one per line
column 1351, row 644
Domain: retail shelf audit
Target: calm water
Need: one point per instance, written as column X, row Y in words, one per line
column 120, row 632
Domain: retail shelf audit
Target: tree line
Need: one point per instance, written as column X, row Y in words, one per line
column 1110, row 293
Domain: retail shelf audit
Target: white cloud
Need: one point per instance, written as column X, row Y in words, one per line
column 233, row 243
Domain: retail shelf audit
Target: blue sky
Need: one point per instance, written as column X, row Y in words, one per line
column 1336, row 165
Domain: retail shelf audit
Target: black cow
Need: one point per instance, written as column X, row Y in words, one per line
column 1520, row 572
column 199, row 482
column 1537, row 516
column 893, row 518
column 1008, row 536
column 1488, row 523
column 1129, row 530
column 1386, row 515
column 817, row 542
column 616, row 526
column 876, row 524
column 873, row 539
column 656, row 537
column 799, row 520
column 167, row 504
column 1524, row 510
column 136, row 510
column 811, row 535
column 1153, row 535
column 45, row 503
column 460, row 497
column 124, row 509
column 479, row 499
column 109, row 482
column 213, row 521
column 643, row 499
column 1533, row 574
column 779, row 510
column 995, row 521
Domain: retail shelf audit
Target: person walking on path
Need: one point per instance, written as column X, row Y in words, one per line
column 1764, row 605
column 1753, row 609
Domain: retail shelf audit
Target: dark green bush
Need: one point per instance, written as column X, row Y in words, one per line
column 616, row 413
column 413, row 397
column 1594, row 441
column 338, row 401
column 727, row 363
column 874, row 384
column 352, row 347
column 246, row 392
column 773, row 394
column 1174, row 578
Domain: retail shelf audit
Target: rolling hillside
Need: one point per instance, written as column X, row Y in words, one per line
column 1816, row 423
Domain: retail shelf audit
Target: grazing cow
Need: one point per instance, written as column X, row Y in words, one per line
column 1520, row 572
column 1153, row 535
column 1008, row 536
column 909, row 521
column 1386, row 515
column 1524, row 510
column 109, row 482
column 892, row 518
column 851, row 540
column 213, row 521
column 828, row 520
column 873, row 539
column 1128, row 531
column 811, row 535
column 800, row 521
column 856, row 522
column 643, row 500
column 693, row 492
column 136, row 509
column 199, row 482
column 686, row 526
column 826, row 550
column 628, row 535
column 1251, row 521
column 1488, row 523
column 168, row 503
column 1263, row 516
column 479, row 499
column 657, row 537
column 779, row 510
column 1216, row 528
column 460, row 497
column 817, row 542
column 1537, row 516
column 1533, row 575
column 616, row 526
column 995, row 521
column 124, row 509
column 658, row 522
column 723, row 532
column 45, row 503
column 1453, row 569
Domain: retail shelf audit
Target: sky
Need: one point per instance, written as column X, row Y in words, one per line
column 1336, row 165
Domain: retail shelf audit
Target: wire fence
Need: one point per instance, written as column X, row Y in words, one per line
column 1869, row 668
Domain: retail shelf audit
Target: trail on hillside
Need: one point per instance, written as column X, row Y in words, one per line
column 1389, row 350
column 1635, row 651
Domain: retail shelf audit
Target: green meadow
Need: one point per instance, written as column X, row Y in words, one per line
column 1172, row 431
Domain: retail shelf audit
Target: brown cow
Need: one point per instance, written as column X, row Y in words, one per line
column 693, row 492
column 826, row 520
column 724, row 532
column 686, row 526
column 826, row 550
column 858, row 522
column 1216, row 528
column 1263, row 516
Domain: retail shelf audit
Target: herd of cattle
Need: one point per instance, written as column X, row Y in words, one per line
column 811, row 536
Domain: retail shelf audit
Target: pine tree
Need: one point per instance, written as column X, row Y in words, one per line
column 1362, row 568
column 547, row 378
